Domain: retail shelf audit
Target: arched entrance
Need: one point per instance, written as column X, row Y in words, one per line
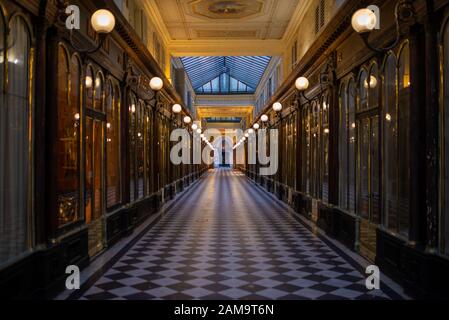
column 224, row 156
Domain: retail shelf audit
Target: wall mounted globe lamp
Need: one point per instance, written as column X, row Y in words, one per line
column 364, row 21
column 187, row 120
column 302, row 84
column 102, row 22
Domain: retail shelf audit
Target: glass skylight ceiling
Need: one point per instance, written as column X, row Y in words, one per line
column 225, row 75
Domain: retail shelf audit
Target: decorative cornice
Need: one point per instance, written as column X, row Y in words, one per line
column 234, row 111
column 152, row 10
column 226, row 47
column 225, row 100
column 295, row 22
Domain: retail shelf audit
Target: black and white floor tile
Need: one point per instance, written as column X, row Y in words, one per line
column 227, row 240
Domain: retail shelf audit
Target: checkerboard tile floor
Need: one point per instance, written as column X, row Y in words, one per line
column 227, row 240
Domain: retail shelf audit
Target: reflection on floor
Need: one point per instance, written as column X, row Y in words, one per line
column 227, row 239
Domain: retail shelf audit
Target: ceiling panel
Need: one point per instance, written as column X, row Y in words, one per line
column 226, row 19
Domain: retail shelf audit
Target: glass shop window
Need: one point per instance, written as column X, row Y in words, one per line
column 68, row 173
column 98, row 103
column 351, row 95
column 404, row 140
column 89, row 86
column 132, row 147
column 444, row 235
column 325, row 148
column 284, row 150
column 140, row 154
column 343, row 148
column 112, row 145
column 390, row 166
column 148, row 144
column 396, row 166
column 315, row 151
column 305, row 150
column 291, row 151
column 363, row 91
column 15, row 144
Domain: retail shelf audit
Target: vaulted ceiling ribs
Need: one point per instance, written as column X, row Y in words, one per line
column 247, row 70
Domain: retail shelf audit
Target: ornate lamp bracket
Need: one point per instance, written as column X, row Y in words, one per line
column 131, row 78
column 404, row 14
column 62, row 16
column 327, row 75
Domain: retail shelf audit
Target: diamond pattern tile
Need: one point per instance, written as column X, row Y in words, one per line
column 227, row 240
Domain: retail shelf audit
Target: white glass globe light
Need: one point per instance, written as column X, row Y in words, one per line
column 156, row 84
column 194, row 126
column 187, row 119
column 103, row 21
column 176, row 108
column 250, row 131
column 277, row 106
column 264, row 118
column 198, row 131
column 256, row 126
column 302, row 83
column 364, row 20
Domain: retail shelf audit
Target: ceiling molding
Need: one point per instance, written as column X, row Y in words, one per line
column 296, row 21
column 269, row 23
column 222, row 126
column 223, row 25
column 183, row 20
column 225, row 100
column 152, row 11
column 212, row 47
column 225, row 112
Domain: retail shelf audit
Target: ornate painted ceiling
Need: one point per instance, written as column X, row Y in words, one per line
column 226, row 27
column 226, row 19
